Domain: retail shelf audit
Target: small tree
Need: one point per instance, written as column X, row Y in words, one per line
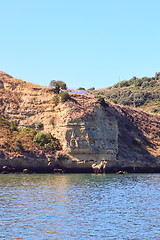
column 58, row 84
column 52, row 83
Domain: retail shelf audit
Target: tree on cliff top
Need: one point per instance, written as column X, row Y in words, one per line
column 59, row 84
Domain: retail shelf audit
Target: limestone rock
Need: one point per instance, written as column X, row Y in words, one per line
column 87, row 139
column 88, row 132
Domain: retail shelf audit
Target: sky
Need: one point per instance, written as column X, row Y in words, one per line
column 85, row 43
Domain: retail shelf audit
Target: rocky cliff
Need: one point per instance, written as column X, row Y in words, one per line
column 87, row 130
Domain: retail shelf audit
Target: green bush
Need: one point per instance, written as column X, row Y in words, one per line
column 64, row 96
column 133, row 98
column 134, row 92
column 124, row 83
column 42, row 138
column 46, row 141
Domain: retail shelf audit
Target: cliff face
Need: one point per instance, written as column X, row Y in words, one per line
column 87, row 138
column 87, row 131
column 138, row 139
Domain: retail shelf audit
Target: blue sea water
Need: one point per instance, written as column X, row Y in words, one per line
column 80, row 206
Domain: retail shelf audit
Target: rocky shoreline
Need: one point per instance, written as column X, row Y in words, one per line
column 53, row 170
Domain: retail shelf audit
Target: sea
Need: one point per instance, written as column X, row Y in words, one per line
column 80, row 206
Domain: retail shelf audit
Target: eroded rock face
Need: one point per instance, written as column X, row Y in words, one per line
column 88, row 132
column 88, row 140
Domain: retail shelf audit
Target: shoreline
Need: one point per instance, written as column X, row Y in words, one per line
column 53, row 170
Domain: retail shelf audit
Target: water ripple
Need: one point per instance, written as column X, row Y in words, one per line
column 80, row 206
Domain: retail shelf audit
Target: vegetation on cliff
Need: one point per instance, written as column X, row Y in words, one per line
column 136, row 92
column 58, row 85
column 24, row 140
column 29, row 113
column 139, row 135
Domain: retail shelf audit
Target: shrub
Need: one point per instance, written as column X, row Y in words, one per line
column 101, row 101
column 46, row 141
column 51, row 146
column 14, row 125
column 38, row 125
column 124, row 83
column 134, row 98
column 138, row 82
column 81, row 88
column 145, row 85
column 26, row 130
column 64, row 96
column 91, row 89
column 41, row 138
column 148, row 83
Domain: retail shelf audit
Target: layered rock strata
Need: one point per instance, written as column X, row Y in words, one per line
column 87, row 139
column 88, row 131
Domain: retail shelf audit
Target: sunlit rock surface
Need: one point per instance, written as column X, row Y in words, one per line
column 88, row 131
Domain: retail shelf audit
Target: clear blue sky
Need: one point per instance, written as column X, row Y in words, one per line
column 86, row 43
